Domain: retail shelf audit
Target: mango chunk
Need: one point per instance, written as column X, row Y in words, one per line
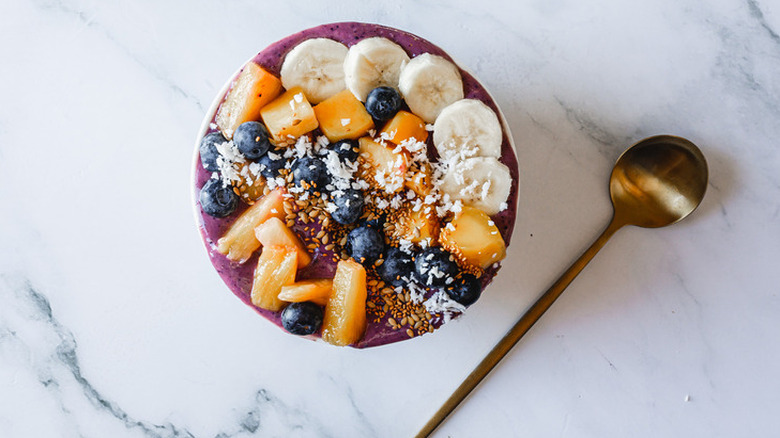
column 289, row 116
column 404, row 126
column 419, row 179
column 474, row 238
column 343, row 116
column 417, row 226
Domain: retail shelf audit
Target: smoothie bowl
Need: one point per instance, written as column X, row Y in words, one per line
column 353, row 184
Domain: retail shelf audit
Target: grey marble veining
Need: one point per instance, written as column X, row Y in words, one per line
column 35, row 342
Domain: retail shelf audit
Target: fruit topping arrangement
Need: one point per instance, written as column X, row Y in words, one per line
column 352, row 191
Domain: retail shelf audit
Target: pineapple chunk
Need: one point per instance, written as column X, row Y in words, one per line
column 474, row 238
column 403, row 126
column 384, row 166
column 276, row 267
column 254, row 88
column 417, row 226
column 316, row 291
column 289, row 116
column 239, row 242
column 344, row 321
column 342, row 116
column 274, row 232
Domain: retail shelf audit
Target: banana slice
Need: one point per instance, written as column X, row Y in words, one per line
column 428, row 84
column 317, row 66
column 373, row 62
column 467, row 128
column 482, row 182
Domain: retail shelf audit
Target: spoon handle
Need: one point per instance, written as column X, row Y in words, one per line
column 518, row 330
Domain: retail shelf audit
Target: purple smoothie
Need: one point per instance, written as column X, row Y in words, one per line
column 238, row 277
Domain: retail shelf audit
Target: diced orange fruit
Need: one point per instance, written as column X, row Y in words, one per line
column 343, row 116
column 473, row 237
column 274, row 232
column 417, row 226
column 403, row 126
column 239, row 242
column 316, row 291
column 383, row 161
column 289, row 116
column 254, row 88
column 344, row 321
column 420, row 179
column 276, row 267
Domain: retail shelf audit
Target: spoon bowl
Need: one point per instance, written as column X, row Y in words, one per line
column 656, row 182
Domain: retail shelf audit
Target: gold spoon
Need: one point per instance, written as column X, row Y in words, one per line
column 656, row 182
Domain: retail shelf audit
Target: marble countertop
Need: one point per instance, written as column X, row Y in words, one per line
column 113, row 323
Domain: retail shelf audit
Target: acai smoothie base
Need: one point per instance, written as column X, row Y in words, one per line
column 392, row 314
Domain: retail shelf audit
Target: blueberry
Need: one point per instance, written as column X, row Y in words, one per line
column 377, row 222
column 251, row 139
column 465, row 290
column 396, row 266
column 216, row 200
column 312, row 171
column 365, row 244
column 208, row 150
column 347, row 150
column 434, row 266
column 383, row 102
column 271, row 163
column 349, row 206
column 302, row 318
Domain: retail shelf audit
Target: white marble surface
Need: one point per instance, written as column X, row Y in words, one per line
column 112, row 322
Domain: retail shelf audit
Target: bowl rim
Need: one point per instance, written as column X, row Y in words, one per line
column 210, row 113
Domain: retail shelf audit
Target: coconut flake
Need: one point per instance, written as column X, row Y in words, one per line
column 440, row 303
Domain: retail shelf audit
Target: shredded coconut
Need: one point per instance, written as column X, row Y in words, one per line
column 440, row 303
column 228, row 162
